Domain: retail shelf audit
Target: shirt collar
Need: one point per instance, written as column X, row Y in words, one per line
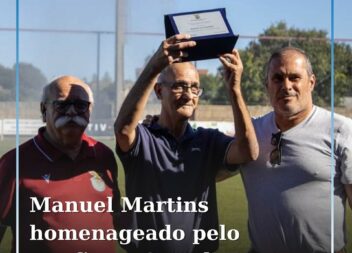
column 189, row 132
column 53, row 154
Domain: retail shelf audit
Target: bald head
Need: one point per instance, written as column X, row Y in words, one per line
column 173, row 71
column 66, row 107
column 63, row 86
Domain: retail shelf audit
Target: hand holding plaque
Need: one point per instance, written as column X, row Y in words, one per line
column 209, row 28
column 232, row 70
column 171, row 50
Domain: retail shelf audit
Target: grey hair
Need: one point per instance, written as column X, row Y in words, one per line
column 47, row 90
column 167, row 72
column 280, row 52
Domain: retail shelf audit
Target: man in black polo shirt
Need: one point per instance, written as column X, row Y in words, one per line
column 171, row 163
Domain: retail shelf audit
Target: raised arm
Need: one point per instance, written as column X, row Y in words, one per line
column 170, row 51
column 245, row 146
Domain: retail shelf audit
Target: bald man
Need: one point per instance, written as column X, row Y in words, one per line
column 63, row 174
column 171, row 165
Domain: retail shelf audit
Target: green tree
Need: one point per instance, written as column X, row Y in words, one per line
column 317, row 46
column 210, row 85
column 31, row 82
column 343, row 70
column 7, row 78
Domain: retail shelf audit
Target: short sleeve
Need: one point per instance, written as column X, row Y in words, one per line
column 346, row 152
column 346, row 166
column 7, row 187
column 222, row 144
column 134, row 150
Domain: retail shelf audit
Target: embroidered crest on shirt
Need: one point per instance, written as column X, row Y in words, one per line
column 97, row 182
column 46, row 177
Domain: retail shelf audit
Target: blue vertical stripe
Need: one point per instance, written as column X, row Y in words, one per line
column 17, row 125
column 332, row 172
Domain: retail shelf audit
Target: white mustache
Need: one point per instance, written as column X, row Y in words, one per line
column 63, row 120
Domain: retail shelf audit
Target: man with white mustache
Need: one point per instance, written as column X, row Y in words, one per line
column 65, row 164
column 288, row 186
column 62, row 121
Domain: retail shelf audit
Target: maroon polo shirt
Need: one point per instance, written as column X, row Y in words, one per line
column 47, row 172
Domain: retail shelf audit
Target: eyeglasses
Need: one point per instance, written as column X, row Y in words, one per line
column 180, row 87
column 62, row 106
column 275, row 155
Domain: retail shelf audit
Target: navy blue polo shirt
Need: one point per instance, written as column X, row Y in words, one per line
column 159, row 167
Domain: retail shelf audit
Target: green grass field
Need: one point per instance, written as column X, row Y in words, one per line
column 232, row 207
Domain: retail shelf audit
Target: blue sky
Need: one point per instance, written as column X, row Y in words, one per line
column 76, row 54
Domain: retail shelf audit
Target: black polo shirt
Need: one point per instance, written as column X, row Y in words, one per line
column 159, row 167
